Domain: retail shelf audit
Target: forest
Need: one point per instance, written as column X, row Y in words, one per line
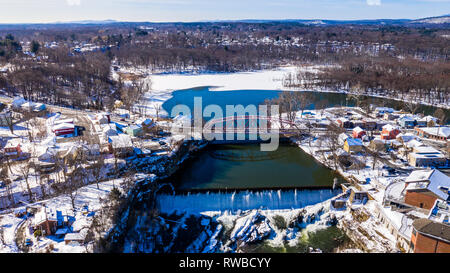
column 70, row 64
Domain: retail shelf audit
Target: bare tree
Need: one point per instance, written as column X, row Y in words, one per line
column 25, row 170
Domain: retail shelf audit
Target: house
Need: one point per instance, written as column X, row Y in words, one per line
column 357, row 197
column 377, row 145
column 341, row 138
column 134, row 130
column 102, row 118
column 436, row 133
column 60, row 121
column 427, row 121
column 358, row 132
column 109, row 130
column 121, row 145
column 145, row 123
column 425, row 156
column 5, row 118
column 440, row 212
column 424, row 187
column 430, row 237
column 404, row 138
column 380, row 111
column 353, row 145
column 413, row 144
column 369, row 124
column 389, row 132
column 389, row 116
column 406, row 122
column 344, row 123
column 63, row 129
column 74, row 237
column 48, row 220
column 13, row 148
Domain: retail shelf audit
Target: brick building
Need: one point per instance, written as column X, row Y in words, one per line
column 389, row 132
column 424, row 187
column 430, row 237
column 421, row 198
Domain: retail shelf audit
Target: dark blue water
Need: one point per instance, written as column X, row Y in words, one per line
column 257, row 97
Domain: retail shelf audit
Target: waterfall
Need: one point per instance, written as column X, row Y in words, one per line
column 243, row 200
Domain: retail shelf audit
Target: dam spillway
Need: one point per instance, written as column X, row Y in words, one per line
column 281, row 199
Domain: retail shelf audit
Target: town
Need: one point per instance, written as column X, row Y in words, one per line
column 395, row 163
column 103, row 150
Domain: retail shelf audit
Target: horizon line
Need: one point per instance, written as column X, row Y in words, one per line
column 95, row 21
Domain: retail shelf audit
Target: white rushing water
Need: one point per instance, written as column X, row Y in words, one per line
column 243, row 200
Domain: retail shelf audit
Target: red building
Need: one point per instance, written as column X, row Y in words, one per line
column 389, row 132
column 422, row 198
column 358, row 132
column 430, row 237
column 63, row 129
column 13, row 148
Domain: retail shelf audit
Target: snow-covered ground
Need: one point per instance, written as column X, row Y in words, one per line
column 89, row 196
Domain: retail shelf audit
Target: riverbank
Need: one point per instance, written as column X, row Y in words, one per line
column 272, row 79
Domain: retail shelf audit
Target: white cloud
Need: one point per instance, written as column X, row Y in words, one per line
column 73, row 2
column 374, row 2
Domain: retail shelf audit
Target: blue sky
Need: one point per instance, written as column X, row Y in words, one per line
column 42, row 11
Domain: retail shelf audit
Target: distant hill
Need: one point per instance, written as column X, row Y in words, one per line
column 445, row 19
column 90, row 22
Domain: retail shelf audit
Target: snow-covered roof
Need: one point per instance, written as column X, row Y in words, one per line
column 135, row 127
column 406, row 137
column 406, row 118
column 354, row 141
column 59, row 121
column 47, row 214
column 12, row 143
column 74, row 237
column 428, row 118
column 425, row 150
column 121, row 141
column 390, row 127
column 414, row 143
column 144, row 121
column 443, row 131
column 63, row 126
column 419, row 176
column 342, row 138
column 438, row 182
column 358, row 130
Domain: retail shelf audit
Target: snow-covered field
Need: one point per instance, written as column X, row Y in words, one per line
column 260, row 80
